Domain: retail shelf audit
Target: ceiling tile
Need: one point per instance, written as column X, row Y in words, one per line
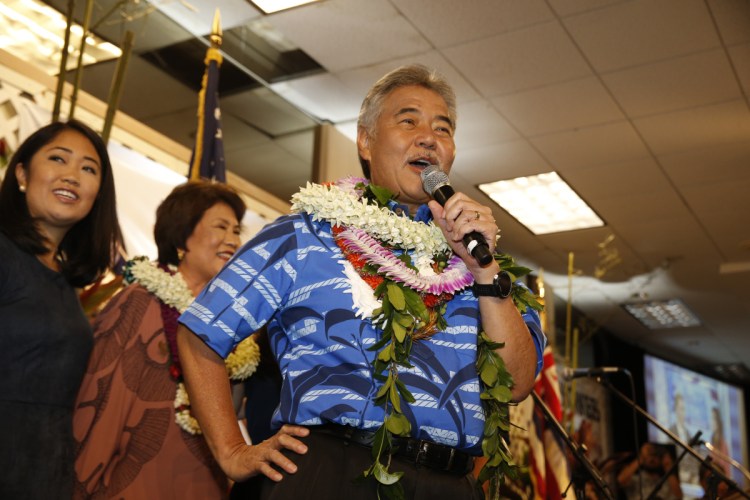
column 322, row 95
column 740, row 55
column 696, row 167
column 532, row 57
column 585, row 147
column 197, row 16
column 617, row 179
column 733, row 20
column 568, row 105
column 479, row 124
column 649, row 237
column 678, row 83
column 266, row 111
column 359, row 80
column 696, row 128
column 445, row 25
column 147, row 91
column 238, row 135
column 500, row 161
column 640, row 207
column 638, row 32
column 342, row 34
column 730, row 229
column 566, row 8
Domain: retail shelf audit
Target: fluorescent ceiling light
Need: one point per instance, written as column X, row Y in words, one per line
column 543, row 203
column 271, row 6
column 658, row 314
column 35, row 32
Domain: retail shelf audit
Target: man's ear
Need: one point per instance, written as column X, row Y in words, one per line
column 363, row 144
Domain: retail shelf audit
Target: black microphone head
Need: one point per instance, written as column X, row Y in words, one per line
column 433, row 178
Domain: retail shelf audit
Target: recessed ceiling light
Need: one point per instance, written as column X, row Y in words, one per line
column 544, row 203
column 658, row 314
column 271, row 6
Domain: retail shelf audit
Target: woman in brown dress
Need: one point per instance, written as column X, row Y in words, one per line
column 136, row 437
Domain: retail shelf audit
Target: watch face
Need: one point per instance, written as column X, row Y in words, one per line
column 503, row 284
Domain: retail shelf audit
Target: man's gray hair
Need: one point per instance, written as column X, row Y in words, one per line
column 415, row 74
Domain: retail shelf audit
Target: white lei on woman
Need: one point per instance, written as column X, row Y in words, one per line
column 172, row 290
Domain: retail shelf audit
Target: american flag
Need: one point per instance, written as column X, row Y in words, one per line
column 548, row 462
column 207, row 161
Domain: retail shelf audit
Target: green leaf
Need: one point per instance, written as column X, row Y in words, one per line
column 381, row 194
column 488, row 374
column 405, row 393
column 391, row 491
column 395, row 399
column 385, row 387
column 398, row 424
column 398, row 331
column 386, row 354
column 396, row 296
column 403, row 319
column 380, row 289
column 501, row 393
column 383, row 476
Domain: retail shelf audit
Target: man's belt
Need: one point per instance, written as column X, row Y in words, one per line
column 433, row 455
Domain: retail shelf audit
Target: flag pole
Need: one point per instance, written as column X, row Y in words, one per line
column 212, row 54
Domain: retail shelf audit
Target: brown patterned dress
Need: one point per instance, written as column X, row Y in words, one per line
column 128, row 444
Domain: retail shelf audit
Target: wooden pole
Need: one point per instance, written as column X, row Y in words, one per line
column 569, row 310
column 63, row 63
column 115, row 91
column 82, row 49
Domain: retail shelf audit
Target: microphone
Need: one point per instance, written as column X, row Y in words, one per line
column 435, row 183
column 571, row 373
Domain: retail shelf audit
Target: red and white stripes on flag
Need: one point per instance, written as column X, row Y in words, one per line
column 547, row 461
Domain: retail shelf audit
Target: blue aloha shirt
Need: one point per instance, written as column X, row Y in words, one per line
column 291, row 277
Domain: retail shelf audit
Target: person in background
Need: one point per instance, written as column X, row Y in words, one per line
column 719, row 442
column 136, row 437
column 58, row 231
column 689, row 465
column 639, row 477
column 311, row 276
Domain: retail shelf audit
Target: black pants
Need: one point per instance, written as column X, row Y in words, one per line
column 328, row 469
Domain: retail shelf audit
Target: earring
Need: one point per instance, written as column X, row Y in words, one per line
column 22, row 188
column 180, row 254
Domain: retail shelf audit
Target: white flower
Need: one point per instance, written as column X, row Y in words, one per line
column 343, row 207
column 172, row 290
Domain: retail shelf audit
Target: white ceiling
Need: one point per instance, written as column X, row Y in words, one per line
column 641, row 105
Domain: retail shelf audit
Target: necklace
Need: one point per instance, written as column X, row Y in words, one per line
column 167, row 285
column 404, row 295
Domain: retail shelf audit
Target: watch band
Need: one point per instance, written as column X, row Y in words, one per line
column 501, row 286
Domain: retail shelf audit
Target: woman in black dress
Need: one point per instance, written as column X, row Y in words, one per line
column 58, row 230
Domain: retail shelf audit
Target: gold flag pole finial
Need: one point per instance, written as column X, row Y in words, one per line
column 216, row 34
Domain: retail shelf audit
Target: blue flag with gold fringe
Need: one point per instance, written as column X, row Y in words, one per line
column 207, row 160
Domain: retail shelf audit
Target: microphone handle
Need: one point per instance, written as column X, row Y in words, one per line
column 481, row 250
column 473, row 241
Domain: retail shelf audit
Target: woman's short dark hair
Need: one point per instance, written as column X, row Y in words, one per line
column 88, row 248
column 181, row 211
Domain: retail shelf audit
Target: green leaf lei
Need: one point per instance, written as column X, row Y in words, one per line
column 403, row 318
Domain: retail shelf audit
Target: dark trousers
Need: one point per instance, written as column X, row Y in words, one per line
column 328, row 469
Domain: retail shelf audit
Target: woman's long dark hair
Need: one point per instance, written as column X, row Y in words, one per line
column 88, row 248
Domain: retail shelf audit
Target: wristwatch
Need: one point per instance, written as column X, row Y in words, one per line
column 501, row 286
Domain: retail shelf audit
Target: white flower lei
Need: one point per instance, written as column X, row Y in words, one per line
column 172, row 290
column 343, row 207
column 341, row 204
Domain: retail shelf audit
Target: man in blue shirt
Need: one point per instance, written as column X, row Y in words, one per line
column 304, row 277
